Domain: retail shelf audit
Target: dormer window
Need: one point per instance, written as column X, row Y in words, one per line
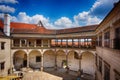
column 40, row 24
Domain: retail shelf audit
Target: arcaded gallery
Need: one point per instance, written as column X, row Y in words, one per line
column 32, row 52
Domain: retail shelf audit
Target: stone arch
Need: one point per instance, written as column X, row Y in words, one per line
column 19, row 59
column 49, row 58
column 35, row 59
column 88, row 63
column 84, row 51
column 73, row 60
column 61, row 58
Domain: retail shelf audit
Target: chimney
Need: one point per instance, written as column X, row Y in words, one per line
column 7, row 24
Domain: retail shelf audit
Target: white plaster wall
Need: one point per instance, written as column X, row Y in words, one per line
column 32, row 59
column 60, row 57
column 49, row 59
column 72, row 62
column 88, row 63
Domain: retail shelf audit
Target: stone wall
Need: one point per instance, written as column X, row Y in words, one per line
column 5, row 53
column 111, row 57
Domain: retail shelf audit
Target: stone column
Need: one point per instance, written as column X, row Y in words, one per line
column 55, row 60
column 102, row 39
column 72, row 43
column 97, row 41
column 80, row 71
column 48, row 43
column 42, row 43
column 80, row 63
column 27, row 60
column 20, row 43
column 66, row 42
column 79, row 43
column 67, row 59
column 67, row 67
column 35, row 43
column 42, row 61
column 27, row 42
column 57, row 42
column 61, row 43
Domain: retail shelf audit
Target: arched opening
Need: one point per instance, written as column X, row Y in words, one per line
column 19, row 60
column 73, row 60
column 88, row 63
column 61, row 59
column 35, row 59
column 49, row 58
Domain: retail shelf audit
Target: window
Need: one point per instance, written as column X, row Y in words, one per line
column 100, row 65
column 117, row 33
column 31, row 43
column 16, row 42
column 106, row 71
column 53, row 42
column 38, row 42
column 75, row 42
column 2, row 66
column 59, row 42
column 117, row 39
column 64, row 42
column 45, row 42
column 38, row 58
column 23, row 42
column 96, row 61
column 117, row 75
column 107, row 39
column 100, row 40
column 69, row 42
column 2, row 45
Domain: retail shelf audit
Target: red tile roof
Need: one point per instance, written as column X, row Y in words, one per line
column 78, row 29
column 32, row 28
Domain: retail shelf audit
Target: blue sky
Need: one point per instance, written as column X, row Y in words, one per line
column 57, row 14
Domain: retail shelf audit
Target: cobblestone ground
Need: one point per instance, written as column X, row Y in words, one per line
column 35, row 75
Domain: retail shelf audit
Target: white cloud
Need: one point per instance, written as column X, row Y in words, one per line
column 9, row 1
column 1, row 15
column 101, row 7
column 7, row 9
column 93, row 20
column 63, row 22
column 24, row 18
column 96, row 13
column 84, row 18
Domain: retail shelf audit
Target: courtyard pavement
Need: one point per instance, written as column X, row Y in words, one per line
column 72, row 75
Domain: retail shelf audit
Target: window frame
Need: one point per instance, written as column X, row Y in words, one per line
column 38, row 58
column 2, row 45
